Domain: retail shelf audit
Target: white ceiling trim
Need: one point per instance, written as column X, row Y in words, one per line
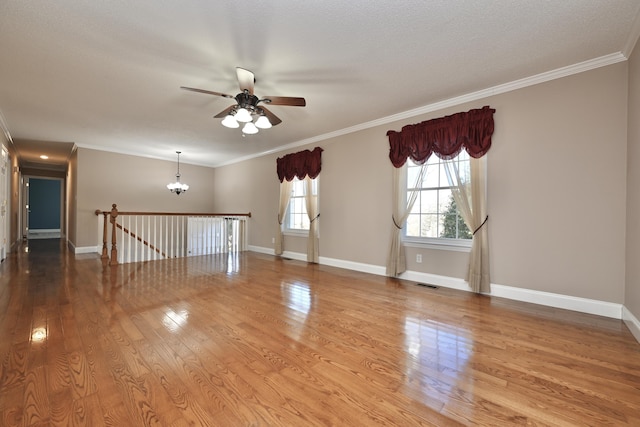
column 5, row 128
column 633, row 37
column 580, row 67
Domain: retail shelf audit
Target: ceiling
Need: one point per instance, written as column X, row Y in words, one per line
column 107, row 75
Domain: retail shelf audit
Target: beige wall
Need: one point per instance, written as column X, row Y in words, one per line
column 632, row 287
column 556, row 185
column 134, row 184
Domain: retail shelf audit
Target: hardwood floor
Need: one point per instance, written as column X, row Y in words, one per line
column 253, row 340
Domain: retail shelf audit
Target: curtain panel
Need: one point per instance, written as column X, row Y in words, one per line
column 283, row 202
column 445, row 137
column 300, row 164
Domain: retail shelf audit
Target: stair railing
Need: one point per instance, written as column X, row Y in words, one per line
column 146, row 236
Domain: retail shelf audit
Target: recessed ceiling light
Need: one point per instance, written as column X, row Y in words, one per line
column 44, row 157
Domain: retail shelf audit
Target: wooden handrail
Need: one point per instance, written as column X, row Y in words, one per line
column 99, row 212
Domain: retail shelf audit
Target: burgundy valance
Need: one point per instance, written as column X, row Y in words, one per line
column 445, row 136
column 300, row 164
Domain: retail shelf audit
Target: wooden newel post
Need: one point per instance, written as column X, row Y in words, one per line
column 104, row 237
column 104, row 233
column 114, row 249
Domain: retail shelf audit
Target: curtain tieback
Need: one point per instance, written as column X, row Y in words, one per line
column 279, row 220
column 480, row 226
column 317, row 216
column 395, row 223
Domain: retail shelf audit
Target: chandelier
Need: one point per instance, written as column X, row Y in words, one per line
column 177, row 187
column 244, row 112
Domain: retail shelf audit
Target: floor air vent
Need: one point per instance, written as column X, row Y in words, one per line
column 427, row 285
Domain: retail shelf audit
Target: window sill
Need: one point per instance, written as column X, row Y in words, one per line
column 456, row 245
column 297, row 233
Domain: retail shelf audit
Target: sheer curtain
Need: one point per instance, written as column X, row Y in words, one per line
column 469, row 192
column 285, row 195
column 311, row 200
column 396, row 261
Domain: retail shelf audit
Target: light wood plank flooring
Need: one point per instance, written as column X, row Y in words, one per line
column 253, row 340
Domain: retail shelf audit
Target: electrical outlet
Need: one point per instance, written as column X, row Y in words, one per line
column 273, row 240
column 418, row 258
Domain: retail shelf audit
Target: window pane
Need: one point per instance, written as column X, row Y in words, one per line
column 416, row 206
column 444, row 199
column 431, row 177
column 444, row 181
column 412, row 175
column 429, row 202
column 299, row 221
column 297, row 189
column 429, row 225
column 413, row 226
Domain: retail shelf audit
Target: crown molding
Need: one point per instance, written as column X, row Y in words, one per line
column 5, row 128
column 632, row 39
column 580, row 67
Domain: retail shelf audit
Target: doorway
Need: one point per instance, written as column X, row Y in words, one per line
column 43, row 208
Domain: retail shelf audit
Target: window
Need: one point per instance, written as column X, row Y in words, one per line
column 435, row 217
column 296, row 217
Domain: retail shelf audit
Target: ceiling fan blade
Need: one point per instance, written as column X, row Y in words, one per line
column 275, row 120
column 284, row 100
column 224, row 112
column 246, row 79
column 208, row 92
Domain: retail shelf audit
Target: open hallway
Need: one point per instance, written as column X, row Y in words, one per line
column 254, row 340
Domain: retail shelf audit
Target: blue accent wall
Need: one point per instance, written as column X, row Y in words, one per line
column 44, row 204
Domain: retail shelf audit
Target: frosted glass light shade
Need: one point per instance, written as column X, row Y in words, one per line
column 243, row 115
column 263, row 122
column 250, row 129
column 230, row 122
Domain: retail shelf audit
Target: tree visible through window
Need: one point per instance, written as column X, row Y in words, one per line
column 435, row 213
column 454, row 226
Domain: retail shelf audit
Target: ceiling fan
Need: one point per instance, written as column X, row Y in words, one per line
column 248, row 106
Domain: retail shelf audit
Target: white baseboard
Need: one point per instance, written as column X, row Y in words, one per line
column 351, row 265
column 566, row 302
column 260, row 249
column 43, row 230
column 632, row 322
column 84, row 249
column 435, row 279
column 294, row 255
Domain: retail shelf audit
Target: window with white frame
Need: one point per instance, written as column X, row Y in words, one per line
column 297, row 218
column 435, row 217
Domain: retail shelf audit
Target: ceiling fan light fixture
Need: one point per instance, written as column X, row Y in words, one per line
column 263, row 122
column 248, row 106
column 243, row 115
column 230, row 122
column 250, row 129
